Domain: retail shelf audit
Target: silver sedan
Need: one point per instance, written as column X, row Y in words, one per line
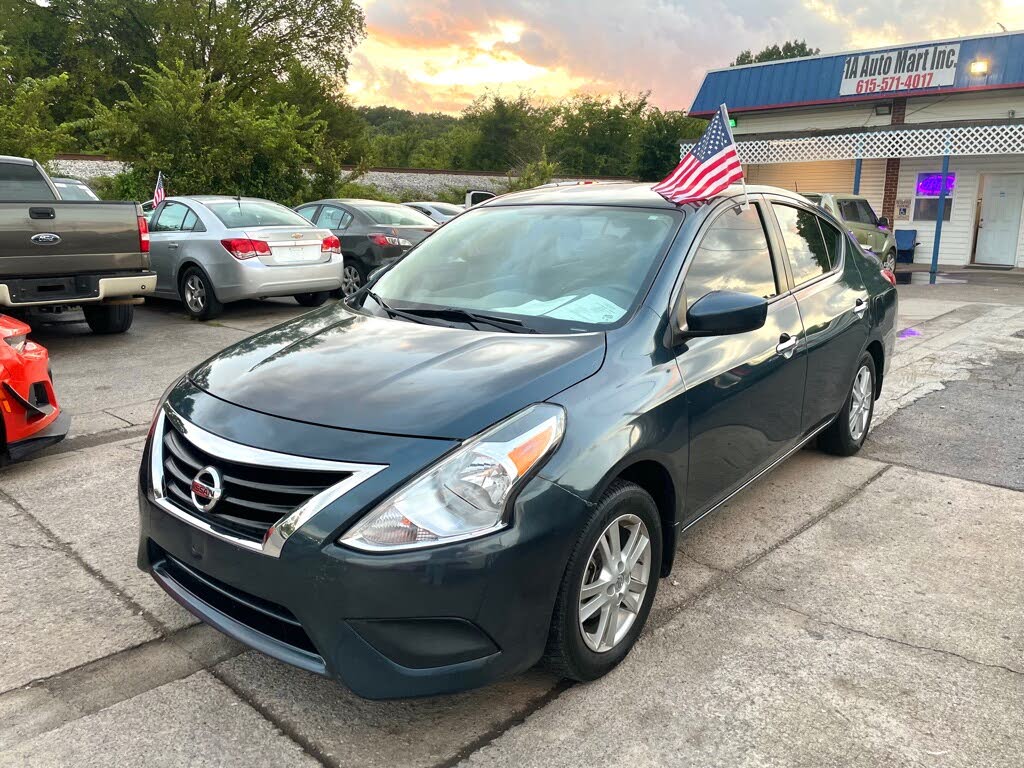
column 209, row 250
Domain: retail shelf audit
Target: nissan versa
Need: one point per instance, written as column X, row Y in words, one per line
column 485, row 457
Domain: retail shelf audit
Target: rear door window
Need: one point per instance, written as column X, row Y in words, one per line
column 171, row 218
column 733, row 255
column 22, row 183
column 849, row 211
column 806, row 250
column 333, row 217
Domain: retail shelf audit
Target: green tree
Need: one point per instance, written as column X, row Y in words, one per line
column 791, row 49
column 596, row 136
column 658, row 144
column 509, row 131
column 184, row 124
column 27, row 126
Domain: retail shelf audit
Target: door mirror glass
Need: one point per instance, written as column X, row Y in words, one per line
column 721, row 313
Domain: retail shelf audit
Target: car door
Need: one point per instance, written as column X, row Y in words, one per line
column 164, row 243
column 870, row 220
column 744, row 391
column 833, row 302
column 850, row 213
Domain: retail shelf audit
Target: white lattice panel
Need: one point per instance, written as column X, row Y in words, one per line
column 909, row 142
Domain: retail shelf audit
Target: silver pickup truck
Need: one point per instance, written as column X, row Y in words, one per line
column 57, row 254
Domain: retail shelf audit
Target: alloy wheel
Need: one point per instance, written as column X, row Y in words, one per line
column 614, row 583
column 860, row 403
column 890, row 261
column 195, row 293
column 350, row 280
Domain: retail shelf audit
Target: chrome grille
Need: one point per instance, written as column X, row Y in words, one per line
column 254, row 497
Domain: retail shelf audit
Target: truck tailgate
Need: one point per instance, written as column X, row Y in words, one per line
column 90, row 237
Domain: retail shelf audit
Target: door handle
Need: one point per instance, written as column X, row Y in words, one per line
column 786, row 345
column 173, row 246
column 860, row 307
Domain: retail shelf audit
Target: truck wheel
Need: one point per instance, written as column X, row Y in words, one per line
column 312, row 299
column 197, row 292
column 109, row 318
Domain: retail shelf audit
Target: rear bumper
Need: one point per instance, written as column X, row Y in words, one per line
column 74, row 289
column 252, row 279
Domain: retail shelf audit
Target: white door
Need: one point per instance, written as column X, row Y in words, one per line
column 999, row 228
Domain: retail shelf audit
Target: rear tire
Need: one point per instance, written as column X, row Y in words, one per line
column 594, row 567
column 109, row 318
column 196, row 291
column 312, row 299
column 846, row 435
column 353, row 277
column 889, row 262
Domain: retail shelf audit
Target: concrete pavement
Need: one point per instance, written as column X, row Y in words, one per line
column 859, row 611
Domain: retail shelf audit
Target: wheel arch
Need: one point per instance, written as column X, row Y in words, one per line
column 656, row 479
column 877, row 352
column 183, row 267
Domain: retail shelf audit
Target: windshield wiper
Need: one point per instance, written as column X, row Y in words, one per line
column 509, row 324
column 392, row 312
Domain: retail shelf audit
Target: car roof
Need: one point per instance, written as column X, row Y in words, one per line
column 628, row 194
column 353, row 201
column 65, row 180
column 16, row 160
column 220, row 198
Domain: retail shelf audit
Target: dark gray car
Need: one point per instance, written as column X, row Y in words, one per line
column 372, row 233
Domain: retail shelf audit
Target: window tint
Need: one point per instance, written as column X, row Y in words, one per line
column 237, row 214
column 805, row 245
column 171, row 218
column 334, row 218
column 307, row 212
column 733, row 256
column 73, row 190
column 834, row 240
column 866, row 213
column 190, row 221
column 396, row 215
column 22, row 182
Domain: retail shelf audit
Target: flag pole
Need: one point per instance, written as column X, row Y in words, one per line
column 743, row 176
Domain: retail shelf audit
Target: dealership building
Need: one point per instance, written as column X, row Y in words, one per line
column 886, row 123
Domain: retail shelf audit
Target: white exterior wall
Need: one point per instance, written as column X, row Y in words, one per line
column 991, row 105
column 823, row 176
column 861, row 115
column 958, row 233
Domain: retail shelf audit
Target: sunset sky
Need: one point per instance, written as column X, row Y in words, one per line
column 439, row 55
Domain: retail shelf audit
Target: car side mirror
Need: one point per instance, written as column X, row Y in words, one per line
column 723, row 313
column 883, row 221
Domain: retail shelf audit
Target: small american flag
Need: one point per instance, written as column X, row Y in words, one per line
column 707, row 169
column 158, row 193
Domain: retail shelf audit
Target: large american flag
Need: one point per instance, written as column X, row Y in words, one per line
column 707, row 169
column 158, row 193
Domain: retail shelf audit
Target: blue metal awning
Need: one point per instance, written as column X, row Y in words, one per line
column 823, row 79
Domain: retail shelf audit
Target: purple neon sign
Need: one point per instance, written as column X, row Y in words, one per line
column 930, row 184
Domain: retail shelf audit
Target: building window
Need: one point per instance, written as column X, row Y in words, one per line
column 926, row 196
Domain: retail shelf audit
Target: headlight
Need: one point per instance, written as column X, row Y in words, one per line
column 466, row 494
column 17, row 342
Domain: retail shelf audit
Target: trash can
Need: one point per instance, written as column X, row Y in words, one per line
column 906, row 240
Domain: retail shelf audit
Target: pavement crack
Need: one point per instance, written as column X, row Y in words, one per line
column 66, row 549
column 759, row 596
column 285, row 729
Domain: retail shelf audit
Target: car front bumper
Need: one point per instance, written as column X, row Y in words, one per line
column 412, row 623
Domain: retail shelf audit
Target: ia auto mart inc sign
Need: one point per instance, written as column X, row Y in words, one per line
column 906, row 69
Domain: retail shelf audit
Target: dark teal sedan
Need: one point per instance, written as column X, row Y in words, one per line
column 485, row 457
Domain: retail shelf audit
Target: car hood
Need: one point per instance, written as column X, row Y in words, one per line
column 340, row 369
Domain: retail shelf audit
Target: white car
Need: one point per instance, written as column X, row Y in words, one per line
column 439, row 212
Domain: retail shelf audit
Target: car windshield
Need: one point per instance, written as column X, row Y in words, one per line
column 555, row 268
column 236, row 214
column 70, row 190
column 396, row 216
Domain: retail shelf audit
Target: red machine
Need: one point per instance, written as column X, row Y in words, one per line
column 31, row 418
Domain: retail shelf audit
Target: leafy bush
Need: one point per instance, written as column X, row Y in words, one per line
column 27, row 127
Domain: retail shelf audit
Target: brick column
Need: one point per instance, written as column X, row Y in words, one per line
column 892, row 165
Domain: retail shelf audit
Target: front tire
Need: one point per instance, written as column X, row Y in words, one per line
column 608, row 587
column 312, row 299
column 197, row 293
column 846, row 435
column 109, row 318
column 352, row 279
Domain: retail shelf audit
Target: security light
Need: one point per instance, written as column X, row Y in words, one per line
column 979, row 67
column 883, row 109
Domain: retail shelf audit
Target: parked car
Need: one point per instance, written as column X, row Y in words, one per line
column 57, row 255
column 873, row 232
column 475, row 197
column 73, row 189
column 29, row 413
column 211, row 250
column 486, row 457
column 372, row 234
column 439, row 212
